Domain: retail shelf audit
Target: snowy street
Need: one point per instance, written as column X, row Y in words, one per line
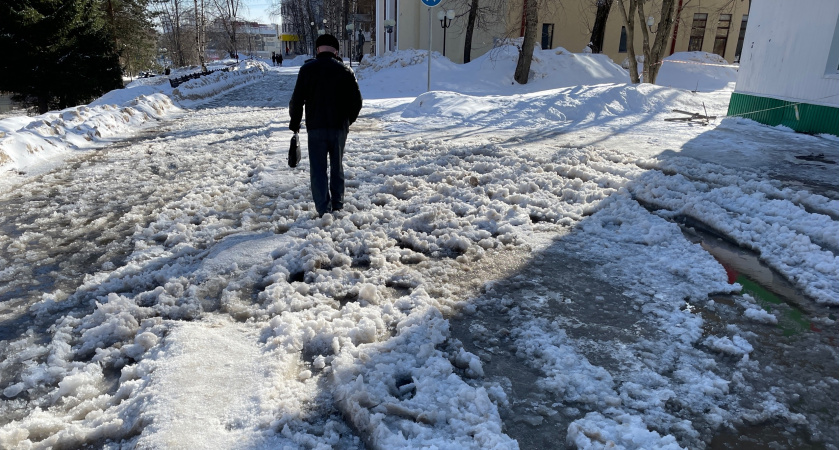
column 536, row 268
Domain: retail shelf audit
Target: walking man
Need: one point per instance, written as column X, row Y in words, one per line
column 328, row 91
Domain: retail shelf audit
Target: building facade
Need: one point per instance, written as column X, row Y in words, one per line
column 714, row 26
column 252, row 40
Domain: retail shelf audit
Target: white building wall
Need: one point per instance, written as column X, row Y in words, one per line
column 788, row 50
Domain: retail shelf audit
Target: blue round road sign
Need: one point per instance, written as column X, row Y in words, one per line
column 431, row 2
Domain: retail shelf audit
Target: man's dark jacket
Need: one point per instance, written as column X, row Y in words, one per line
column 330, row 93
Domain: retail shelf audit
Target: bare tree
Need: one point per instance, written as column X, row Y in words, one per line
column 526, row 53
column 227, row 11
column 599, row 27
column 472, row 16
column 653, row 54
column 200, row 39
column 306, row 18
column 170, row 13
column 481, row 15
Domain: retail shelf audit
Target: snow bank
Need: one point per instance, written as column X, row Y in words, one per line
column 697, row 71
column 489, row 73
column 30, row 143
column 217, row 82
column 296, row 61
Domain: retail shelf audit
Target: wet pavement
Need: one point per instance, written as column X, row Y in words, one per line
column 798, row 354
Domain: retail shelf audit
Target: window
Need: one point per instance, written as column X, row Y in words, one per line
column 740, row 46
column 547, row 35
column 722, row 35
column 622, row 43
column 698, row 29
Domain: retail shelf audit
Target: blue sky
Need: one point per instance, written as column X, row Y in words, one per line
column 256, row 11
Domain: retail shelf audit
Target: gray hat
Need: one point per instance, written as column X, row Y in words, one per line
column 326, row 39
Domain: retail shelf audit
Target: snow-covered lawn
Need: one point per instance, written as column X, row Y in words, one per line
column 487, row 225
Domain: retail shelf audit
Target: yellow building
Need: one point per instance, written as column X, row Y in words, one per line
column 714, row 26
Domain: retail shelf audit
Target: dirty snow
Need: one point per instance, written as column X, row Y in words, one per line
column 217, row 301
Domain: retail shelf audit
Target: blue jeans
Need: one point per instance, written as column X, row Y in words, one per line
column 326, row 145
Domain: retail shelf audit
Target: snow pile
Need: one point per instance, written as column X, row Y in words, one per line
column 27, row 143
column 296, row 61
column 404, row 72
column 554, row 108
column 756, row 313
column 404, row 393
column 736, row 346
column 697, row 71
column 393, row 59
column 216, row 82
column 625, row 431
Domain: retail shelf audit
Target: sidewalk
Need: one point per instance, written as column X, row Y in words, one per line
column 799, row 161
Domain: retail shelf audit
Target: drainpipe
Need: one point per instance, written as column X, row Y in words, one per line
column 676, row 28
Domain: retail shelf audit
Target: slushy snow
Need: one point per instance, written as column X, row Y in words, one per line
column 228, row 315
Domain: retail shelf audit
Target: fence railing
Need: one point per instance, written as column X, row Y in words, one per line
column 175, row 82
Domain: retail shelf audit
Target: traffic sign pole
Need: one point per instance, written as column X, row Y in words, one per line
column 431, row 4
column 429, row 74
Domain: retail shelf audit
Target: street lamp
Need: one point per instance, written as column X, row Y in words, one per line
column 349, row 51
column 312, row 27
column 445, row 21
column 389, row 28
column 650, row 23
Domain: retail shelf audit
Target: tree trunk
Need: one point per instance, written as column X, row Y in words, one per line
column 198, row 30
column 526, row 53
column 654, row 53
column 178, row 49
column 43, row 104
column 599, row 28
column 470, row 29
column 660, row 43
column 627, row 17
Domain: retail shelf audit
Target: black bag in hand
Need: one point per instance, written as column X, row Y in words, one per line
column 294, row 151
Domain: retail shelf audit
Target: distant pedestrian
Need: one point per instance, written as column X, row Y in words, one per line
column 360, row 51
column 279, row 59
column 329, row 92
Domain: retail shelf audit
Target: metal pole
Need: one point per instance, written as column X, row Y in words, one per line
column 429, row 74
column 444, row 40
